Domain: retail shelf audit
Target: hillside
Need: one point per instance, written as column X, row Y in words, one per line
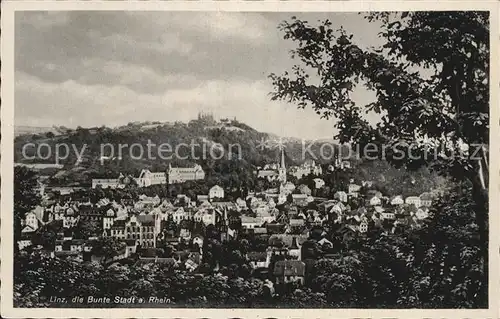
column 230, row 135
column 235, row 168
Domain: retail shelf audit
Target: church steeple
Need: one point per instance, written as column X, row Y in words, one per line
column 282, row 168
column 282, row 159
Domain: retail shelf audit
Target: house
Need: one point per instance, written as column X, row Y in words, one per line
column 70, row 218
column 92, row 213
column 337, row 207
column 363, row 227
column 300, row 199
column 258, row 259
column 415, row 200
column 117, row 230
column 324, row 241
column 202, row 198
column 105, row 183
column 182, row 200
column 397, row 200
column 304, row 189
column 269, row 174
column 182, row 174
column 31, row 220
column 387, row 215
column 185, row 234
column 421, row 214
column 131, row 246
column 367, row 183
column 180, row 214
column 24, row 242
column 426, row 199
column 216, row 192
column 286, row 240
column 109, row 218
column 287, row 188
column 275, row 227
column 260, row 230
column 88, row 245
column 296, row 222
column 379, row 209
column 318, row 183
column 261, row 209
column 250, row 222
column 209, row 217
column 345, row 164
column 148, row 178
column 287, row 271
column 353, row 189
column 341, row 196
column 308, row 167
column 76, row 245
column 225, row 206
column 190, row 265
column 171, row 262
column 198, row 240
column 375, row 201
column 143, row 228
column 241, row 204
column 294, row 249
column 193, row 261
column 205, row 206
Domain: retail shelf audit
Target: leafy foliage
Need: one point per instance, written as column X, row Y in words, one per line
column 431, row 85
column 25, row 196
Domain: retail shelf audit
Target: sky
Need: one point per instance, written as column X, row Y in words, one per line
column 88, row 69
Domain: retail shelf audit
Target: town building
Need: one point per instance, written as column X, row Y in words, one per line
column 426, row 199
column 31, row 220
column 112, row 183
column 250, row 222
column 374, row 201
column 421, row 214
column 183, row 174
column 288, row 271
column 353, row 190
column 216, row 192
column 318, row 183
column 144, row 229
column 397, row 200
column 341, row 196
column 105, row 182
column 147, row 178
column 117, row 230
column 413, row 200
column 258, row 259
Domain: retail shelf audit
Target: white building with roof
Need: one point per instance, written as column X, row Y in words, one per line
column 216, row 192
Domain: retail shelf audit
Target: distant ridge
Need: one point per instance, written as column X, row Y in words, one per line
column 25, row 129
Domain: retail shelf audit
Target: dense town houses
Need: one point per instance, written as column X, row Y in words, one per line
column 309, row 167
column 177, row 230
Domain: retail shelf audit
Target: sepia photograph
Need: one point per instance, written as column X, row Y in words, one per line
column 250, row 160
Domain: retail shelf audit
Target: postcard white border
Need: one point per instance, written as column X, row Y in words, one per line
column 7, row 119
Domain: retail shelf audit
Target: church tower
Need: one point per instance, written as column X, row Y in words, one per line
column 282, row 168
